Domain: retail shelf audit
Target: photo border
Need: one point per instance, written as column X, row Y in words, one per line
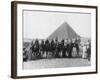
column 14, row 37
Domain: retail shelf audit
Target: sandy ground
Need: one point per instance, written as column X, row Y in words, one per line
column 56, row 63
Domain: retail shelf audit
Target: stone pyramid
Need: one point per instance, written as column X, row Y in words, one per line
column 64, row 31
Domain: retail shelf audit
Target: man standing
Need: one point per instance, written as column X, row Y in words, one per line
column 36, row 48
column 56, row 47
column 52, row 48
column 89, row 52
column 42, row 48
column 47, row 47
column 73, row 48
column 62, row 48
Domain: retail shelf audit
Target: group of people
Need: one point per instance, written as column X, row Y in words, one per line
column 54, row 48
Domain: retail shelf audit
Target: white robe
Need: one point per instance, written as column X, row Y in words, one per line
column 84, row 55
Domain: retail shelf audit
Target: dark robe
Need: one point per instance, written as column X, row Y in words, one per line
column 74, row 45
column 69, row 50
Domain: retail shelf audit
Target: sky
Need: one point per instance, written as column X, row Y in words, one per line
column 40, row 24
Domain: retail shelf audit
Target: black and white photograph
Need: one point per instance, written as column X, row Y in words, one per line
column 54, row 39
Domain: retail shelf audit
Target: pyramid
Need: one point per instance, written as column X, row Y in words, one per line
column 64, row 32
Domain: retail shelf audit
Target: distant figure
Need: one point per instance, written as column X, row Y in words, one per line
column 56, row 47
column 69, row 48
column 73, row 48
column 36, row 48
column 65, row 48
column 52, row 48
column 77, row 45
column 84, row 54
column 89, row 52
column 47, row 47
column 25, row 56
column 32, row 47
column 42, row 48
column 61, row 48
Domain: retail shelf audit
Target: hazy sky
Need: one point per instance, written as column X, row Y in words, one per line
column 38, row 24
